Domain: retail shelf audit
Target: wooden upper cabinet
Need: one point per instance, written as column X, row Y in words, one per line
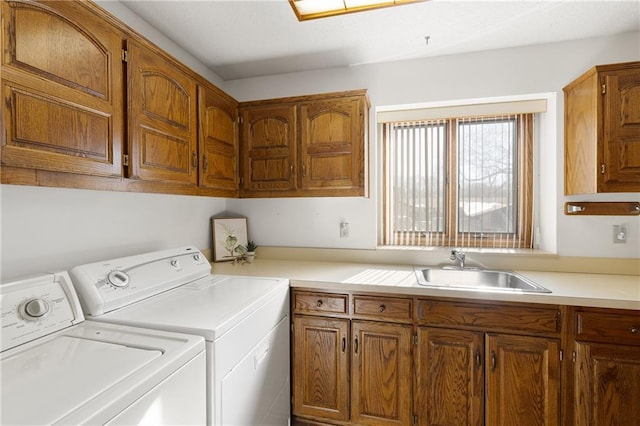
column 162, row 111
column 602, row 130
column 332, row 149
column 269, row 148
column 305, row 146
column 218, row 140
column 62, row 85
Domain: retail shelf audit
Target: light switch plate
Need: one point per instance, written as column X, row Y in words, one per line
column 619, row 234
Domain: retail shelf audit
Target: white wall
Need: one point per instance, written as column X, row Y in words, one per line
column 504, row 72
column 50, row 229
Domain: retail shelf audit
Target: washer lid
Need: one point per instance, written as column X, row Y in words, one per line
column 43, row 384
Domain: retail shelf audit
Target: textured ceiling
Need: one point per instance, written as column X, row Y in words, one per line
column 248, row 38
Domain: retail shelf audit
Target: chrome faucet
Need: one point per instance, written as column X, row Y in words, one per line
column 458, row 256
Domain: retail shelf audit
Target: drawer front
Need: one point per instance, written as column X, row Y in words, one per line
column 388, row 308
column 608, row 327
column 328, row 303
column 488, row 317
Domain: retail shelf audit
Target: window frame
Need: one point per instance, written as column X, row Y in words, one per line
column 522, row 238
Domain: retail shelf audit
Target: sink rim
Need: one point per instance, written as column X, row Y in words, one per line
column 422, row 281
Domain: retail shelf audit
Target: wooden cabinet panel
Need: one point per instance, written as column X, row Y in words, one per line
column 218, row 140
column 607, row 385
column 602, row 130
column 522, row 380
column 383, row 308
column 162, row 118
column 483, row 316
column 269, row 148
column 381, row 368
column 62, row 108
column 320, row 367
column 320, row 303
column 608, row 327
column 332, row 132
column 449, row 377
column 621, row 153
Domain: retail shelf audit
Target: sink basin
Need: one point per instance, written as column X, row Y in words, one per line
column 477, row 279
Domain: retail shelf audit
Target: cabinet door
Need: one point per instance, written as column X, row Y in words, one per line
column 269, row 148
column 621, row 119
column 522, row 380
column 449, row 377
column 62, row 86
column 162, row 118
column 320, row 367
column 607, row 385
column 218, row 141
column 382, row 374
column 332, row 144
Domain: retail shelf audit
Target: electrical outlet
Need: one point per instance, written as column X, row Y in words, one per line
column 619, row 234
column 344, row 229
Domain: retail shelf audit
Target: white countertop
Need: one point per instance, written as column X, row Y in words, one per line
column 577, row 289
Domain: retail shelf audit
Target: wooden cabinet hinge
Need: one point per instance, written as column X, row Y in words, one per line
column 125, row 160
column 604, row 88
column 125, row 55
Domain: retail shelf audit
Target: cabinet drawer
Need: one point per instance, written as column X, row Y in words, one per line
column 488, row 316
column 608, row 327
column 382, row 308
column 305, row 302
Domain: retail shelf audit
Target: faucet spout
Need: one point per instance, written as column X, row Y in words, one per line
column 458, row 256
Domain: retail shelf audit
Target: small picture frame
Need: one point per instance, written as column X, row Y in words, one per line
column 229, row 238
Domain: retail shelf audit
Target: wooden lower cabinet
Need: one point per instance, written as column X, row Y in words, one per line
column 607, row 384
column 320, row 367
column 381, row 373
column 522, row 376
column 472, row 378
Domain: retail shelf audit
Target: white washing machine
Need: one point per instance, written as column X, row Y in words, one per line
column 244, row 320
column 57, row 368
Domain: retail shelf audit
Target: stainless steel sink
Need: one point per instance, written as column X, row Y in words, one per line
column 477, row 279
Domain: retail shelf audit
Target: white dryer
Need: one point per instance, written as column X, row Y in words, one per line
column 244, row 320
column 57, row 368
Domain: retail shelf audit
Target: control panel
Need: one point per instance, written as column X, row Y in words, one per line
column 112, row 284
column 37, row 306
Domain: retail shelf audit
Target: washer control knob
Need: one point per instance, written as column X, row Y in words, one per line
column 196, row 257
column 118, row 279
column 36, row 308
column 175, row 263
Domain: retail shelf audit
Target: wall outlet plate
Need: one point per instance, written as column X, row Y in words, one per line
column 619, row 234
column 344, row 229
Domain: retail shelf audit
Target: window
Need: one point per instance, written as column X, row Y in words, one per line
column 464, row 182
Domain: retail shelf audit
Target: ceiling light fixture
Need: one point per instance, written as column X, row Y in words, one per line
column 313, row 9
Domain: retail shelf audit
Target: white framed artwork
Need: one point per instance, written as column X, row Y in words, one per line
column 229, row 238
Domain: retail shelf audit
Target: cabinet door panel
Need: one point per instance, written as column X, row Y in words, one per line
column 522, row 380
column 607, row 385
column 269, row 148
column 320, row 366
column 162, row 119
column 218, row 141
column 449, row 377
column 621, row 145
column 331, row 153
column 63, row 106
column 381, row 390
